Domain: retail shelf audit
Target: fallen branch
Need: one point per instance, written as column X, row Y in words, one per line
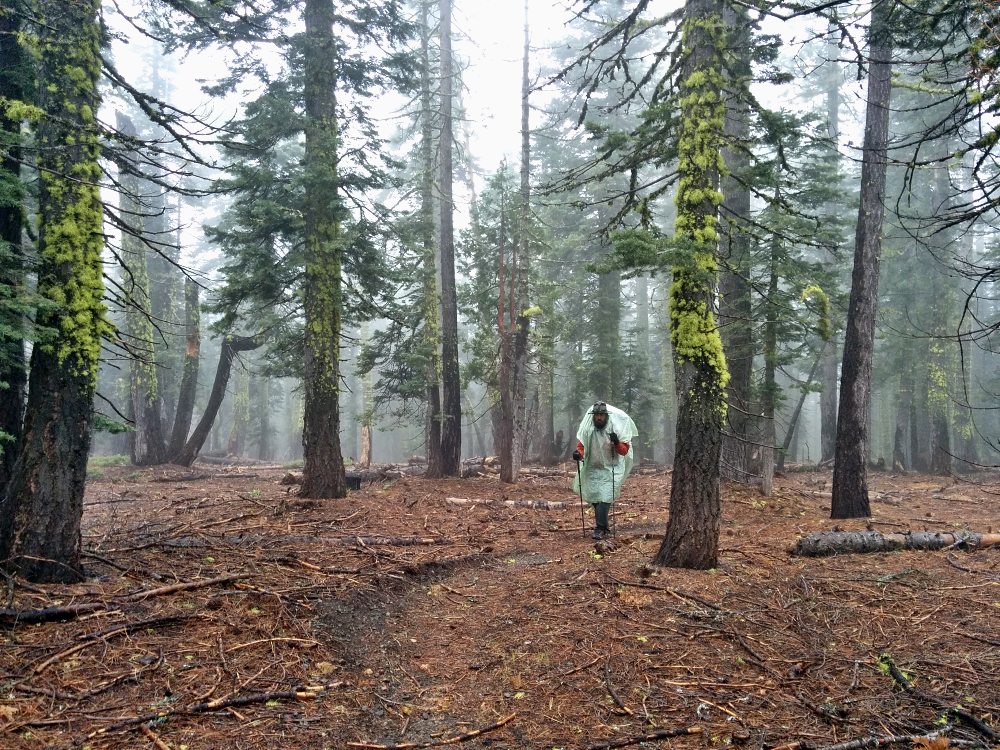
column 154, row 738
column 57, row 614
column 436, row 743
column 534, row 504
column 825, row 543
column 10, row 616
column 662, row 734
column 388, row 541
column 302, row 693
column 867, row 742
column 611, row 689
column 90, row 638
column 886, row 664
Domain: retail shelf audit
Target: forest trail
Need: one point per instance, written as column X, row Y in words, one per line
column 495, row 619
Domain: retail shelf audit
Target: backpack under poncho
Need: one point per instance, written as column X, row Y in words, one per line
column 602, row 469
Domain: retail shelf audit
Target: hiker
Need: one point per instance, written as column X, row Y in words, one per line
column 604, row 458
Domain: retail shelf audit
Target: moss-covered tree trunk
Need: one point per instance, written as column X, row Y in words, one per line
column 41, row 511
column 189, row 378
column 146, row 443
column 850, row 471
column 14, row 85
column 323, row 473
column 692, row 538
column 451, row 391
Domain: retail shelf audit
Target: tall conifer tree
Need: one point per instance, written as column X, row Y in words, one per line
column 41, row 512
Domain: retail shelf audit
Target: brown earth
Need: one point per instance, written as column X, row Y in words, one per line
column 321, row 632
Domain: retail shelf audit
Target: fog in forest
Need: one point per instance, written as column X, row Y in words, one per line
column 268, row 210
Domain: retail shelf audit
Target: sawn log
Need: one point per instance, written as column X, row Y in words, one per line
column 825, row 543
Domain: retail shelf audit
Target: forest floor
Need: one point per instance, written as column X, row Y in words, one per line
column 398, row 619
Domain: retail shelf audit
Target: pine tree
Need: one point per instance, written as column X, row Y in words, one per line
column 15, row 86
column 451, row 390
column 692, row 534
column 147, row 446
column 41, row 512
column 850, row 483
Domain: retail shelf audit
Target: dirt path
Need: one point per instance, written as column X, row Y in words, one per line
column 396, row 617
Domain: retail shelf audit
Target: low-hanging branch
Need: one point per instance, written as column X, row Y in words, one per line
column 823, row 543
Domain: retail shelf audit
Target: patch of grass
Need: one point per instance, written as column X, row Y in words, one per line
column 96, row 465
column 296, row 464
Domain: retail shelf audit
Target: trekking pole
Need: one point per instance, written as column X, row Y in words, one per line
column 579, row 484
column 614, row 504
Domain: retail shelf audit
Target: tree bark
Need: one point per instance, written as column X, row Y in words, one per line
column 899, row 462
column 451, row 396
column 941, row 362
column 850, row 472
column 735, row 313
column 692, row 538
column 14, row 80
column 146, row 444
column 231, row 346
column 828, row 396
column 669, row 384
column 41, row 512
column 513, row 325
column 431, row 299
column 323, row 473
column 189, row 378
column 769, row 391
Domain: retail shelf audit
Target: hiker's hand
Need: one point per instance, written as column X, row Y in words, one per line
column 577, row 456
column 613, row 437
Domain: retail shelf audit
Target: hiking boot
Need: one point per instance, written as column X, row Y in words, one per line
column 601, row 513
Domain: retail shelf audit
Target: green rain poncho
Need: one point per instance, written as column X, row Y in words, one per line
column 602, row 469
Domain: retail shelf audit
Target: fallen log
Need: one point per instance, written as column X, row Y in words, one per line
column 534, row 504
column 823, row 543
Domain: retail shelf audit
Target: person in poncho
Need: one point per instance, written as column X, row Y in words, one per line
column 604, row 458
